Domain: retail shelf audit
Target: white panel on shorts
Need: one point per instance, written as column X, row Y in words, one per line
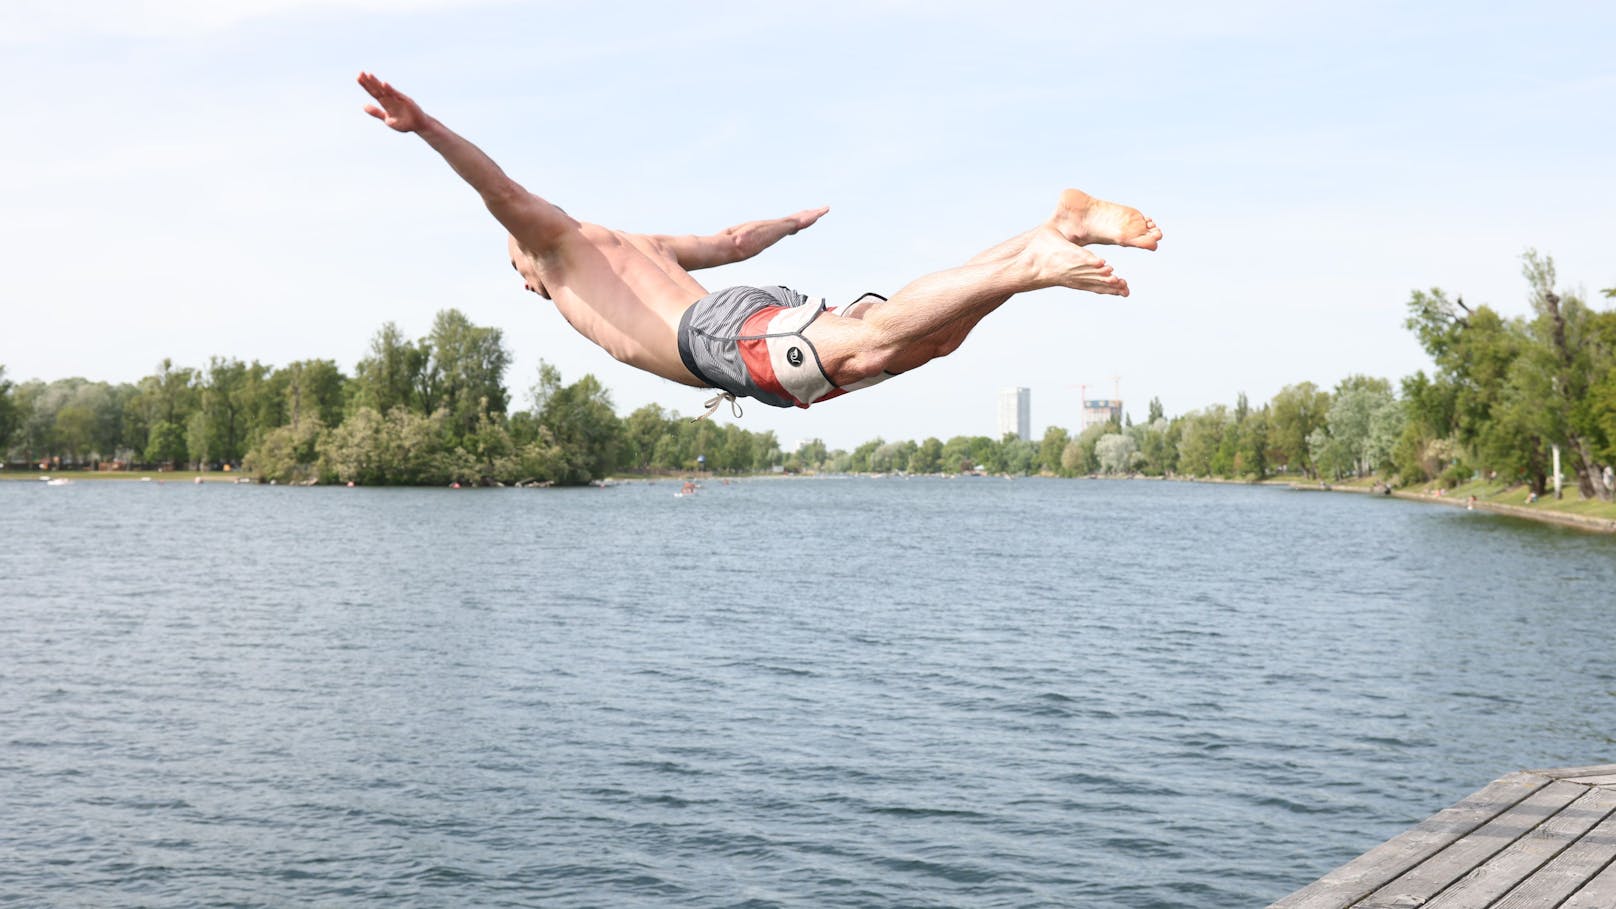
column 796, row 365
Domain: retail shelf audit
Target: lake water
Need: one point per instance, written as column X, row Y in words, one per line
column 810, row 693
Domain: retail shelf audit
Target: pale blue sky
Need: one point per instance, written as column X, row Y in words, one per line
column 189, row 178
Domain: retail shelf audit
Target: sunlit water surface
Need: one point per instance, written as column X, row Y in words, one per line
column 810, row 693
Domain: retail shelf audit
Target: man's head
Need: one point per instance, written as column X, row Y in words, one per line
column 524, row 265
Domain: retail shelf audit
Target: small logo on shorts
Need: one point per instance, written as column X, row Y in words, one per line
column 794, row 356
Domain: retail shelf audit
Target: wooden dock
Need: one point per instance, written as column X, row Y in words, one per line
column 1537, row 838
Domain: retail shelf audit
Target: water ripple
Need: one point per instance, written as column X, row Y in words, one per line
column 998, row 694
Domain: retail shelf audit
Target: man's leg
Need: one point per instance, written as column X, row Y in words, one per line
column 928, row 316
column 931, row 316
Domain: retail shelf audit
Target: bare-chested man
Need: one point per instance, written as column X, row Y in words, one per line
column 634, row 296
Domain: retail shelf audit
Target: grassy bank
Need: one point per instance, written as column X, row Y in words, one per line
column 155, row 476
column 1572, row 510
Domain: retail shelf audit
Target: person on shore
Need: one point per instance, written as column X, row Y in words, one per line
column 634, row 296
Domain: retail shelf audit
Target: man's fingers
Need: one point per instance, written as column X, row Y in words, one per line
column 376, row 87
column 807, row 217
column 376, row 112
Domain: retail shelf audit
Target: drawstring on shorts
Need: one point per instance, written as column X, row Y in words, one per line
column 713, row 403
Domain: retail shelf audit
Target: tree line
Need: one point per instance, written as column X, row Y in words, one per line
column 1502, row 395
column 425, row 412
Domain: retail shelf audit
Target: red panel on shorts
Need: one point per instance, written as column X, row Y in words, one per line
column 755, row 353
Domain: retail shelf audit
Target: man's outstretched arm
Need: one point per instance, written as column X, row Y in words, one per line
column 521, row 212
column 734, row 244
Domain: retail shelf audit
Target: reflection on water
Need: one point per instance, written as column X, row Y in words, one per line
column 773, row 693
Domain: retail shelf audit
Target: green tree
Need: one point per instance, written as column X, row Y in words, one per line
column 898, row 456
column 74, row 420
column 536, row 460
column 286, row 454
column 401, row 448
column 8, row 413
column 1475, row 351
column 165, row 444
column 218, row 430
column 168, row 396
column 1293, row 415
column 1329, row 455
column 1017, row 456
column 1424, row 449
column 1153, row 446
column 1559, row 369
column 1364, row 420
column 394, row 374
column 1201, row 449
column 1079, row 457
column 956, row 455
column 860, row 459
column 1600, row 405
column 1074, row 459
column 1253, row 444
column 312, row 389
column 986, row 453
column 72, row 432
column 1115, row 453
column 466, row 373
column 579, row 417
column 641, row 431
column 813, row 455
column 1050, row 449
column 928, row 456
column 29, row 435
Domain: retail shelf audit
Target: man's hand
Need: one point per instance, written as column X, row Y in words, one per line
column 396, row 110
column 804, row 219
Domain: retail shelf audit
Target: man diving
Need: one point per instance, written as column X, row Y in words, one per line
column 633, row 294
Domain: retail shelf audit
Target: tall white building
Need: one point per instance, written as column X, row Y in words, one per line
column 1015, row 412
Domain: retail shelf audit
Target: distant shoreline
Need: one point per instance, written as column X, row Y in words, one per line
column 1460, row 499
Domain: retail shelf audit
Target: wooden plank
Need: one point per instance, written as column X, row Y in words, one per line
column 1600, row 779
column 1599, row 893
column 1509, row 870
column 1561, row 773
column 1365, row 874
column 1570, row 869
column 1420, row 883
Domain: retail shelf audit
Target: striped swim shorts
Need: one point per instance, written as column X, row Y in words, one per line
column 749, row 342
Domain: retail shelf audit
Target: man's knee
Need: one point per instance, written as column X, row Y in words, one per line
column 849, row 350
column 946, row 345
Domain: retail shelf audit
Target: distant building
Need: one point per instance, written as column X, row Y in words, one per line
column 1015, row 412
column 1100, row 411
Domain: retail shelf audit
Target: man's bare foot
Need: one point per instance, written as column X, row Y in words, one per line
column 1085, row 220
column 1056, row 260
